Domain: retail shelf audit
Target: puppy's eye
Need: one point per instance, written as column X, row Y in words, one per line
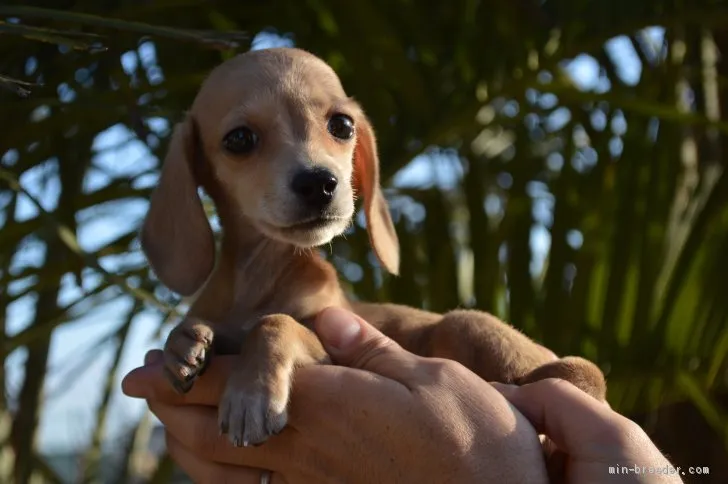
column 341, row 126
column 240, row 141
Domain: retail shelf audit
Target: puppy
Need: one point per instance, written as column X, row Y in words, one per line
column 283, row 152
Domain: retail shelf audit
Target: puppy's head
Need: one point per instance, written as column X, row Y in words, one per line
column 283, row 149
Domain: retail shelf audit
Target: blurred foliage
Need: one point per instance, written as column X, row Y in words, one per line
column 593, row 216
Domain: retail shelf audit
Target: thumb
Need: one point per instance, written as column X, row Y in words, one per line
column 352, row 342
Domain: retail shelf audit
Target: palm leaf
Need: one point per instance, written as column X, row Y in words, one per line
column 217, row 40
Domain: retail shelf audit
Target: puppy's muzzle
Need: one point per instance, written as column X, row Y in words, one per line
column 315, row 188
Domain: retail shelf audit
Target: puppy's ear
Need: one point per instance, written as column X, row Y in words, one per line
column 382, row 234
column 176, row 236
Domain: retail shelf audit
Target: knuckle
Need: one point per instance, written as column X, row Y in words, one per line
column 624, row 433
column 441, row 370
column 372, row 350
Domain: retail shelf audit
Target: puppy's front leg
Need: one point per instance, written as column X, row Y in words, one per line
column 254, row 404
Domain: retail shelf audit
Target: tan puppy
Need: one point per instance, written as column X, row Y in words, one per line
column 276, row 143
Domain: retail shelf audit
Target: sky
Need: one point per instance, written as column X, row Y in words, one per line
column 75, row 385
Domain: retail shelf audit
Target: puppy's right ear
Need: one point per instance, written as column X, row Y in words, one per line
column 176, row 236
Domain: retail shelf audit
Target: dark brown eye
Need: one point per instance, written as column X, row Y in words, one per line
column 341, row 126
column 240, row 141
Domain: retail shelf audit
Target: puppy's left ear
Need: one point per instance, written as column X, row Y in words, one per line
column 382, row 235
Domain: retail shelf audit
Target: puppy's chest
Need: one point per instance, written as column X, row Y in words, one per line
column 231, row 330
column 246, row 318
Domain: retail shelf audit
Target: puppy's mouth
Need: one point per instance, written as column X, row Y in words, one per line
column 307, row 232
column 310, row 231
column 311, row 224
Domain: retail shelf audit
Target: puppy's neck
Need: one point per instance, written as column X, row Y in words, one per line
column 261, row 265
column 267, row 276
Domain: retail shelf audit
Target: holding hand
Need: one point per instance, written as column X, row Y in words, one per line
column 387, row 415
column 390, row 416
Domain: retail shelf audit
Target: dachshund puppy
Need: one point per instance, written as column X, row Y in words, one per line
column 283, row 153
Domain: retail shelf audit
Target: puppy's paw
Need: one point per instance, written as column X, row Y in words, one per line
column 187, row 353
column 254, row 408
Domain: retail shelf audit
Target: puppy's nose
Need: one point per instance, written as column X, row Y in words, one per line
column 315, row 187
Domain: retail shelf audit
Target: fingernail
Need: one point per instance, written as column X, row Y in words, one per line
column 338, row 328
column 152, row 357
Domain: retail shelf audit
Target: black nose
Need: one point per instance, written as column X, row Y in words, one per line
column 315, row 187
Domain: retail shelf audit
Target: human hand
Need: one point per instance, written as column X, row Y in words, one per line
column 390, row 416
column 588, row 435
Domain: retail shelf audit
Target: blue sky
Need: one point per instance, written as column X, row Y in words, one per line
column 75, row 384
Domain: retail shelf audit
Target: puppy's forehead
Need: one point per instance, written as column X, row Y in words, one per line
column 292, row 75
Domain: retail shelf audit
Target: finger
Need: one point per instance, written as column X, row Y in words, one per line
column 353, row 342
column 202, row 471
column 149, row 382
column 576, row 422
column 153, row 357
column 196, row 428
